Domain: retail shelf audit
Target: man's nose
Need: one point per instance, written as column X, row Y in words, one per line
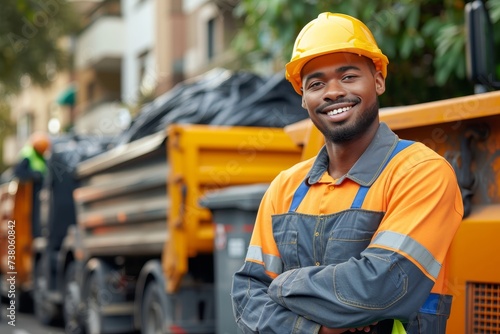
column 334, row 90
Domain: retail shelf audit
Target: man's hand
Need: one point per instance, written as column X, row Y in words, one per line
column 326, row 330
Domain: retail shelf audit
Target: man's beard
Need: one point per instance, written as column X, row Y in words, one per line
column 347, row 133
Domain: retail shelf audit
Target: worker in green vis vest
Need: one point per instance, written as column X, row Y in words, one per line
column 32, row 167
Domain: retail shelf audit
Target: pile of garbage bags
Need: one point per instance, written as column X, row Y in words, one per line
column 221, row 97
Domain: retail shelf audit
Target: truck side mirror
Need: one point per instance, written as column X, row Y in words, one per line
column 480, row 51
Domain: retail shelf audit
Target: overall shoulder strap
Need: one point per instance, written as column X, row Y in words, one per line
column 299, row 194
column 363, row 190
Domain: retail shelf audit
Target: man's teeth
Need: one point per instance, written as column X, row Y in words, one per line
column 338, row 111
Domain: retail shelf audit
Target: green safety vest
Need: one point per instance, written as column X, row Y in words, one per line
column 398, row 328
column 36, row 162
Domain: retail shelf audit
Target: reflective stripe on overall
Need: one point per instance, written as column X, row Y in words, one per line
column 435, row 304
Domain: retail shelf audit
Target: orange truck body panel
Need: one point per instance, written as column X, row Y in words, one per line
column 15, row 232
column 474, row 276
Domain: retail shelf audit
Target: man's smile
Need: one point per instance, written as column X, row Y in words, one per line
column 338, row 111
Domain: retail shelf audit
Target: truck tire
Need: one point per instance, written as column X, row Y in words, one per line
column 93, row 305
column 45, row 311
column 24, row 302
column 71, row 302
column 154, row 309
column 98, row 298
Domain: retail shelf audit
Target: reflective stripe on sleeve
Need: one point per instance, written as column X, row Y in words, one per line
column 272, row 263
column 406, row 244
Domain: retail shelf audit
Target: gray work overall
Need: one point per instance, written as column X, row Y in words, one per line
column 337, row 238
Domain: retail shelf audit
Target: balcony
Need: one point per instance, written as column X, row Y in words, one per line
column 101, row 45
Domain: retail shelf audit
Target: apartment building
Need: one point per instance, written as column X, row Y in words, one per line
column 127, row 53
column 134, row 50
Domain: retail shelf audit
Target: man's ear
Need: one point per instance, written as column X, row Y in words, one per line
column 379, row 83
column 303, row 102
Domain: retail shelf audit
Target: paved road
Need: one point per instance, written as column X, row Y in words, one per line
column 24, row 324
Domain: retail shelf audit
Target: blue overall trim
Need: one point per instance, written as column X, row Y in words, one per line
column 360, row 197
column 363, row 190
column 431, row 304
column 302, row 190
column 299, row 195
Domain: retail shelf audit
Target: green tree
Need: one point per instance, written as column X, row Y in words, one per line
column 6, row 129
column 424, row 40
column 29, row 34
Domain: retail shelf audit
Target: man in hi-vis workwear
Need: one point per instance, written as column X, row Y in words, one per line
column 356, row 238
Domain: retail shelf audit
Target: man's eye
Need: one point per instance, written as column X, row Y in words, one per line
column 314, row 84
column 348, row 77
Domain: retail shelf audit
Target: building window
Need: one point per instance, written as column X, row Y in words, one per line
column 25, row 126
column 211, row 39
column 142, row 64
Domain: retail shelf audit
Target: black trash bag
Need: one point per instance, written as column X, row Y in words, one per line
column 220, row 97
column 274, row 104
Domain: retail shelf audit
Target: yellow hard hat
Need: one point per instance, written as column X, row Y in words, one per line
column 329, row 33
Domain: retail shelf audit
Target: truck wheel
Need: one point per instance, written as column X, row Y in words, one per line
column 24, row 302
column 93, row 306
column 154, row 309
column 45, row 311
column 106, row 308
column 71, row 301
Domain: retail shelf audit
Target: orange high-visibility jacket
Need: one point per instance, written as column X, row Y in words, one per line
column 296, row 277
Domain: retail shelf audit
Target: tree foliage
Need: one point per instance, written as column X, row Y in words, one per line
column 29, row 35
column 423, row 39
column 7, row 128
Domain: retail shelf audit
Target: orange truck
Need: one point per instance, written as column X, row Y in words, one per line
column 16, row 242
